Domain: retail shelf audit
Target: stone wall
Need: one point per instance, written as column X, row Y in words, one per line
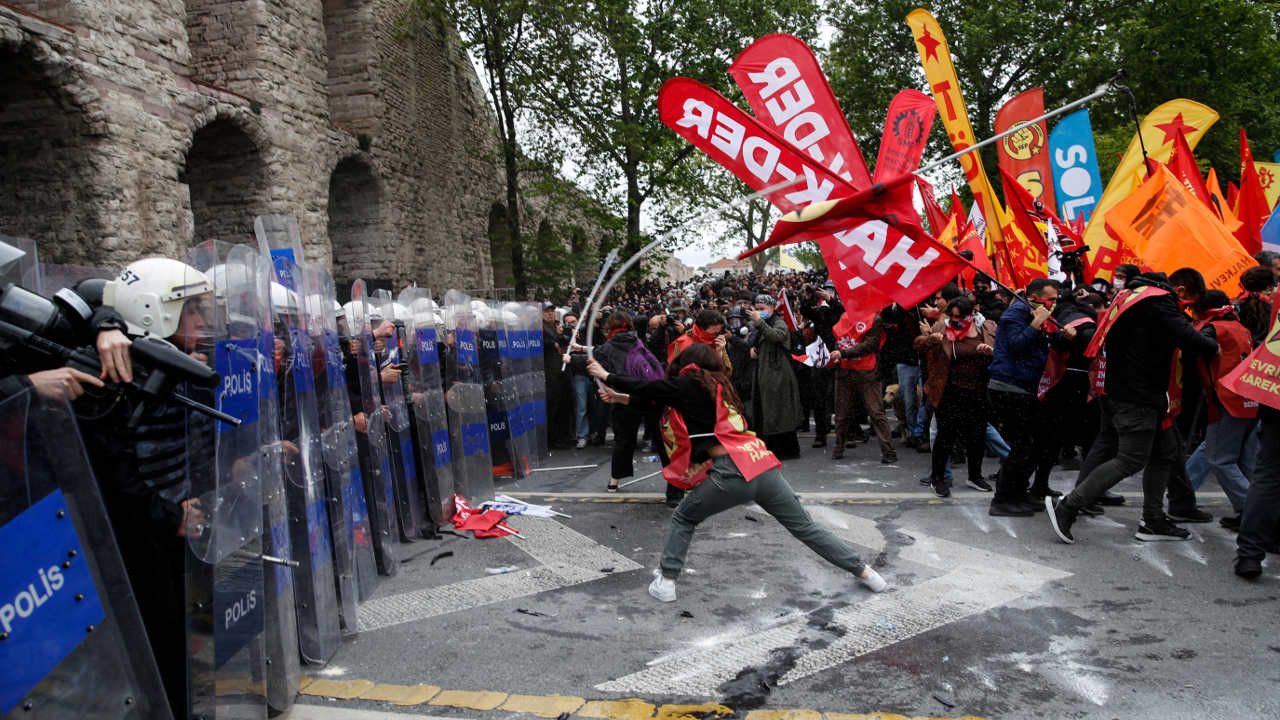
column 132, row 127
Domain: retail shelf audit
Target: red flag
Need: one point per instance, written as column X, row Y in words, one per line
column 789, row 94
column 1184, row 167
column 932, row 211
column 1233, row 193
column 783, row 308
column 1251, row 206
column 1022, row 206
column 957, row 207
column 906, row 131
column 752, row 152
column 1025, row 154
column 970, row 240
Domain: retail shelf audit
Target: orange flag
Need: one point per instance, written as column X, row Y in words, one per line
column 1167, row 228
column 1219, row 203
column 1251, row 202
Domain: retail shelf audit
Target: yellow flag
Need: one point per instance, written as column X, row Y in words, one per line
column 1159, row 130
column 1269, row 176
column 935, row 56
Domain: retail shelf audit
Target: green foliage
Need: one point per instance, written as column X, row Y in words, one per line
column 1223, row 53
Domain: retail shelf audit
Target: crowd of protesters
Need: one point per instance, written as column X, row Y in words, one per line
column 975, row 376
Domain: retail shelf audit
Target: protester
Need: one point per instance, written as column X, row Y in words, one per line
column 856, row 377
column 712, row 444
column 775, row 394
column 624, row 353
column 1138, row 341
column 959, row 350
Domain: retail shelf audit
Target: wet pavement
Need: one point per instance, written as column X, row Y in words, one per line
column 987, row 617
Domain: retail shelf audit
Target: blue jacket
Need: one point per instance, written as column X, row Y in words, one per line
column 1021, row 351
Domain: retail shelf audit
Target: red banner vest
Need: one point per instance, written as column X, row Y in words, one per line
column 747, row 451
column 1056, row 367
column 1234, row 345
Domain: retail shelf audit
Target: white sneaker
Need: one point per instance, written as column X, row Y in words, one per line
column 872, row 581
column 661, row 588
column 582, row 442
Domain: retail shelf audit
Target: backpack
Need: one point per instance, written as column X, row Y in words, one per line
column 642, row 364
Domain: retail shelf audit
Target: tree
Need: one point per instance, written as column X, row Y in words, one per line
column 1223, row 53
column 496, row 31
column 596, row 68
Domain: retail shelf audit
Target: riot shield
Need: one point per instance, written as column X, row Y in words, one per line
column 372, row 438
column 465, row 400
column 348, row 516
column 225, row 605
column 315, row 589
column 426, row 331
column 20, row 263
column 512, row 342
column 537, row 383
column 401, row 445
column 71, row 638
column 495, row 369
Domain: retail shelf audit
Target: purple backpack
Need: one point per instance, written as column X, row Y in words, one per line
column 642, row 364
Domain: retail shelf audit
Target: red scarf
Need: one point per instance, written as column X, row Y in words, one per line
column 958, row 329
column 615, row 331
column 702, row 336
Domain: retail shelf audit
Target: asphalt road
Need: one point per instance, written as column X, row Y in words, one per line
column 987, row 617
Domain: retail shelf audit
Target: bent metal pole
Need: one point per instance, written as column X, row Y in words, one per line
column 609, row 260
column 631, row 261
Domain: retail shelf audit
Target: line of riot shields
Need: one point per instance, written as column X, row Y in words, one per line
column 358, row 425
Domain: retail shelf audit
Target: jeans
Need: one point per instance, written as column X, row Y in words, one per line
column 996, row 443
column 1231, row 449
column 725, row 488
column 1129, row 438
column 581, row 397
column 912, row 393
column 1260, row 523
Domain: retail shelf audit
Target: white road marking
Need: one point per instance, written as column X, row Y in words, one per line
column 975, row 581
column 567, row 558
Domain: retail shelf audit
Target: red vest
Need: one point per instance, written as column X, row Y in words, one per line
column 747, row 451
column 1234, row 344
column 1056, row 367
column 1124, row 300
column 865, row 362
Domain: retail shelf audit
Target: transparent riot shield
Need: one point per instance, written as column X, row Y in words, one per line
column 20, row 263
column 427, row 335
column 72, row 641
column 371, row 433
column 225, row 604
column 348, row 516
column 514, row 367
column 401, row 444
column 465, row 400
column 495, row 369
column 242, row 285
column 537, row 383
column 315, row 589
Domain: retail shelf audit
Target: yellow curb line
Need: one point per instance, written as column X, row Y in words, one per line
column 555, row 706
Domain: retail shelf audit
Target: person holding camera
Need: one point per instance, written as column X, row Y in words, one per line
column 775, row 394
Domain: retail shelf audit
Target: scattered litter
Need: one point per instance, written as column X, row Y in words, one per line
column 944, row 702
column 512, row 506
column 534, row 613
column 441, row 556
column 752, row 519
column 501, row 570
column 686, row 614
column 739, row 535
column 332, row 671
column 606, row 570
column 886, row 626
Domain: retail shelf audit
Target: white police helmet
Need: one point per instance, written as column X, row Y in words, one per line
column 150, row 294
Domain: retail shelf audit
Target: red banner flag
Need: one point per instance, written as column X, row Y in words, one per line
column 906, row 132
column 750, row 151
column 932, row 211
column 789, row 94
column 783, row 308
column 957, row 207
column 1251, row 206
column 1025, row 154
column 970, row 240
column 1257, row 377
column 1183, row 165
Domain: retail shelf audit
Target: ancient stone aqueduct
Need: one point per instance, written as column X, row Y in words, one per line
column 132, row 127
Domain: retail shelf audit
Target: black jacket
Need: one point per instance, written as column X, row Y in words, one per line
column 613, row 353
column 1140, row 347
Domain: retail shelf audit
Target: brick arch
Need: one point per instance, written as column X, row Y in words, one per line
column 224, row 175
column 50, row 132
column 356, row 221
